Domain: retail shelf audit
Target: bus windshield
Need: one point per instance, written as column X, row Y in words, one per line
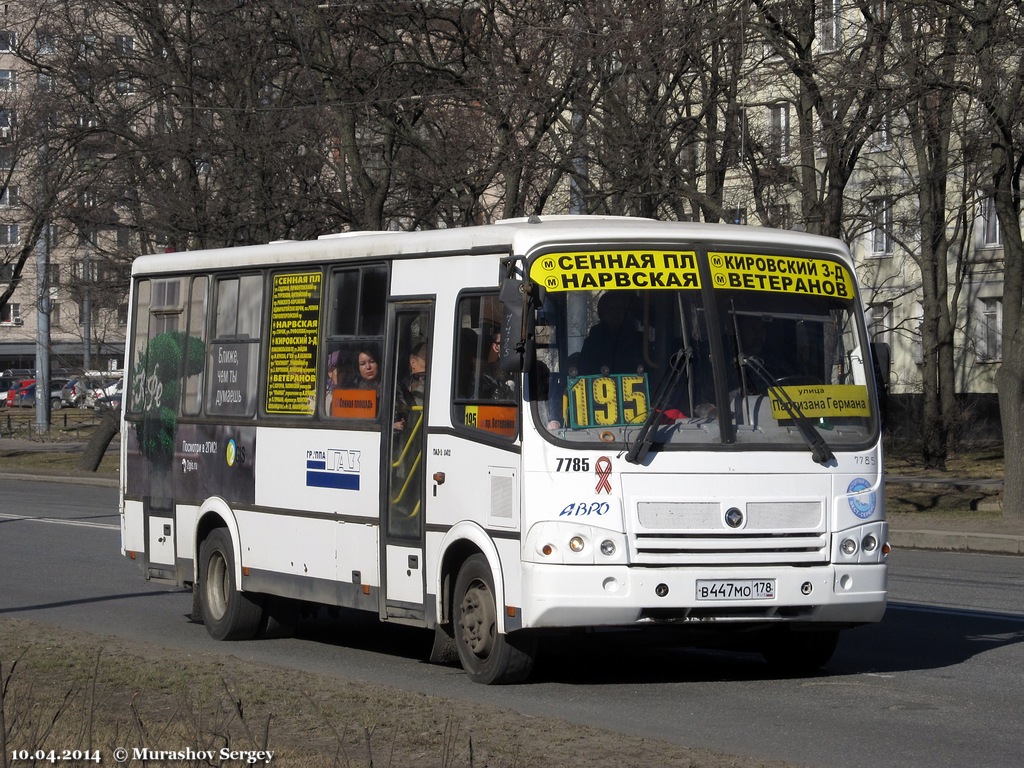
column 747, row 363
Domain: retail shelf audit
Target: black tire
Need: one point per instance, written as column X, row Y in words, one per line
column 799, row 652
column 56, row 404
column 227, row 613
column 488, row 656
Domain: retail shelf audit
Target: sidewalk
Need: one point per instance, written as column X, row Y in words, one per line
column 966, row 531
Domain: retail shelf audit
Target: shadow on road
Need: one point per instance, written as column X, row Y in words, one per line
column 911, row 637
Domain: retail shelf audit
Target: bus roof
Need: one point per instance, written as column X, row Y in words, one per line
column 513, row 236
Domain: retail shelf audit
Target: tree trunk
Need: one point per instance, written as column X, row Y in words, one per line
column 109, row 426
column 1010, row 382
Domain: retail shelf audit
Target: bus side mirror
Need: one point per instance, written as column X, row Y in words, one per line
column 881, row 363
column 516, row 343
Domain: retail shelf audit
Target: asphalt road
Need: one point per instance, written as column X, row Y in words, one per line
column 937, row 683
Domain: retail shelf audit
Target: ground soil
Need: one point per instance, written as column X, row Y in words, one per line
column 73, row 690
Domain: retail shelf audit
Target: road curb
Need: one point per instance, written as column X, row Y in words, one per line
column 106, row 482
column 954, row 541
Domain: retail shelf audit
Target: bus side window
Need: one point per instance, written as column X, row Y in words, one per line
column 195, row 347
column 234, row 353
column 484, row 397
column 352, row 368
column 159, row 345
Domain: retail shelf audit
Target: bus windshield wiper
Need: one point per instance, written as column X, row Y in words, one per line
column 820, row 450
column 680, row 361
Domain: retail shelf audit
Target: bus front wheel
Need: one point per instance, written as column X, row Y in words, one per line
column 227, row 613
column 488, row 656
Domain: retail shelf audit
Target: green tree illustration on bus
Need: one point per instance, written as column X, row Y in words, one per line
column 157, row 380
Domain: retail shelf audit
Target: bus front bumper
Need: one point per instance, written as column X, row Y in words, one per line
column 581, row 596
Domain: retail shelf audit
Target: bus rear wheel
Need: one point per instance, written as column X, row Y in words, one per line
column 488, row 656
column 227, row 613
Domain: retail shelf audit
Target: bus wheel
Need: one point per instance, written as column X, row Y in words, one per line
column 227, row 613
column 796, row 652
column 486, row 655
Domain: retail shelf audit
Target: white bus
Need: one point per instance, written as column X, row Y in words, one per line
column 505, row 431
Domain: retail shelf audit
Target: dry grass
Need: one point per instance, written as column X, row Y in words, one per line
column 70, row 690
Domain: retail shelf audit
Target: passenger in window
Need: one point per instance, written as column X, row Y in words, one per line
column 333, row 378
column 411, row 392
column 368, row 368
column 615, row 344
column 418, row 373
column 467, row 373
column 495, row 384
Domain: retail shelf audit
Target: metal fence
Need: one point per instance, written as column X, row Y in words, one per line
column 65, row 423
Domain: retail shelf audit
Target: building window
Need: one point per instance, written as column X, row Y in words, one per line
column 8, row 197
column 736, row 137
column 54, row 314
column 124, row 45
column 881, row 226
column 990, row 343
column 8, row 80
column 7, row 121
column 94, row 314
column 9, row 234
column 780, row 216
column 88, row 235
column 86, row 46
column 778, row 131
column 10, row 314
column 991, row 234
column 918, row 338
column 736, row 215
column 831, row 24
column 44, row 84
column 880, row 329
column 8, row 41
column 124, row 85
column 881, row 139
column 46, row 42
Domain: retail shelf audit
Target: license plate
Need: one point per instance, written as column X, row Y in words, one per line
column 736, row 589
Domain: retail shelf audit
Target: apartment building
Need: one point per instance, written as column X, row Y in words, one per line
column 71, row 297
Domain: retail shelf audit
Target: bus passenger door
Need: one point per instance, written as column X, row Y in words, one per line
column 403, row 483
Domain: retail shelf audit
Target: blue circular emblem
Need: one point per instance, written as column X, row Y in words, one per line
column 862, row 504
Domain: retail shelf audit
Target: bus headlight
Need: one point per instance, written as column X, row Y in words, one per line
column 848, row 547
column 869, row 543
column 574, row 543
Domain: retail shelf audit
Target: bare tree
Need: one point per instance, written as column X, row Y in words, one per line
column 837, row 97
column 997, row 49
column 931, row 65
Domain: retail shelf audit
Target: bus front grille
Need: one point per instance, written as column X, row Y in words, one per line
column 778, row 532
column 730, row 549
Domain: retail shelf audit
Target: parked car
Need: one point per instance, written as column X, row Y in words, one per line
column 15, row 394
column 84, row 391
column 25, row 397
column 109, row 402
column 111, row 398
column 7, row 383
